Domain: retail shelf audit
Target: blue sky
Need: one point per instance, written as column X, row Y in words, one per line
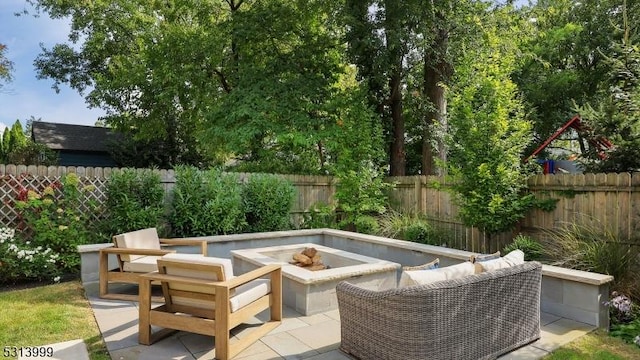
column 27, row 96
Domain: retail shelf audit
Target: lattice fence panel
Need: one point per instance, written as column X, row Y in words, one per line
column 15, row 187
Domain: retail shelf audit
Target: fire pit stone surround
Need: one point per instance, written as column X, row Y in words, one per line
column 312, row 292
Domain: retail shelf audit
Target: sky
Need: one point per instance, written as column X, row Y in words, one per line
column 26, row 96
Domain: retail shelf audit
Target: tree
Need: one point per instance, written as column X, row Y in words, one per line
column 256, row 82
column 17, row 148
column 6, row 66
column 617, row 114
column 488, row 131
column 566, row 59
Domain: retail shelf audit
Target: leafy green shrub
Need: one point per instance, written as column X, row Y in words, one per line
column 267, row 202
column 206, row 203
column 21, row 260
column 360, row 194
column 319, row 216
column 135, row 200
column 420, row 232
column 532, row 249
column 56, row 218
column 366, row 224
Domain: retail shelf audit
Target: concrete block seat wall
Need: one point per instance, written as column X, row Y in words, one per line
column 571, row 294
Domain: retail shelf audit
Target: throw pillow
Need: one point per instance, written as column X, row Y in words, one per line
column 484, row 257
column 422, row 277
column 516, row 257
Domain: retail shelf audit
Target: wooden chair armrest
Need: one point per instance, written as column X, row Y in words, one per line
column 186, row 242
column 233, row 283
column 251, row 275
column 132, row 251
column 156, row 276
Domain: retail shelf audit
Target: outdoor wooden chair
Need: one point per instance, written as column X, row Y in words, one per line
column 137, row 253
column 202, row 296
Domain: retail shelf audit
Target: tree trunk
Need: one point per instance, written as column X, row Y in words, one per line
column 436, row 71
column 397, row 154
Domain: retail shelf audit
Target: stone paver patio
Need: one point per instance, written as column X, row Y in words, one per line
column 315, row 337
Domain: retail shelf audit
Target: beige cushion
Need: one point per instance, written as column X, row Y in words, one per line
column 244, row 295
column 428, row 266
column 240, row 296
column 227, row 265
column 140, row 239
column 422, row 277
column 144, row 264
column 249, row 292
column 516, row 257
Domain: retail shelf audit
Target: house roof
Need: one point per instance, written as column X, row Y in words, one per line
column 72, row 137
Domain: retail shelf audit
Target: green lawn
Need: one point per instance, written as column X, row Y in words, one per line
column 49, row 314
column 597, row 345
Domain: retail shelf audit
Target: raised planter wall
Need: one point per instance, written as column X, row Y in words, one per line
column 571, row 294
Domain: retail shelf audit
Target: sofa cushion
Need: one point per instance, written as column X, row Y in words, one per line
column 428, row 266
column 422, row 277
column 140, row 239
column 516, row 257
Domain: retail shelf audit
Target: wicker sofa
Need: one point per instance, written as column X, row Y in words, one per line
column 479, row 316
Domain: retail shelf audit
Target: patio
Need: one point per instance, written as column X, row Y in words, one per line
column 570, row 304
column 315, row 337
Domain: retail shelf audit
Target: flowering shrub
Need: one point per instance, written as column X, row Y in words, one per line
column 625, row 318
column 52, row 218
column 20, row 260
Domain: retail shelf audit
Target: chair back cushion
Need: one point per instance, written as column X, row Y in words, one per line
column 140, row 239
column 193, row 266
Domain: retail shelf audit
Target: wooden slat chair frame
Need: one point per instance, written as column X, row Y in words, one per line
column 120, row 275
column 216, row 321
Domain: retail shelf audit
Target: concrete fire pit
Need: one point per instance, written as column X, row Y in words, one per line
column 312, row 292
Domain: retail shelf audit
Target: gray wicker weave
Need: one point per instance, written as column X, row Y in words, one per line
column 479, row 316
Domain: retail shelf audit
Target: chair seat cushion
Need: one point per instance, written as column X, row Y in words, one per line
column 144, row 264
column 244, row 295
column 249, row 292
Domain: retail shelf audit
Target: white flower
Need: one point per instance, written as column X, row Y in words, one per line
column 28, row 243
column 56, row 279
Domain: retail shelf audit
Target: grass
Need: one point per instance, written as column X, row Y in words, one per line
column 597, row 345
column 49, row 314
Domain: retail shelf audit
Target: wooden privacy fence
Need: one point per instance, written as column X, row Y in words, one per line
column 606, row 201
